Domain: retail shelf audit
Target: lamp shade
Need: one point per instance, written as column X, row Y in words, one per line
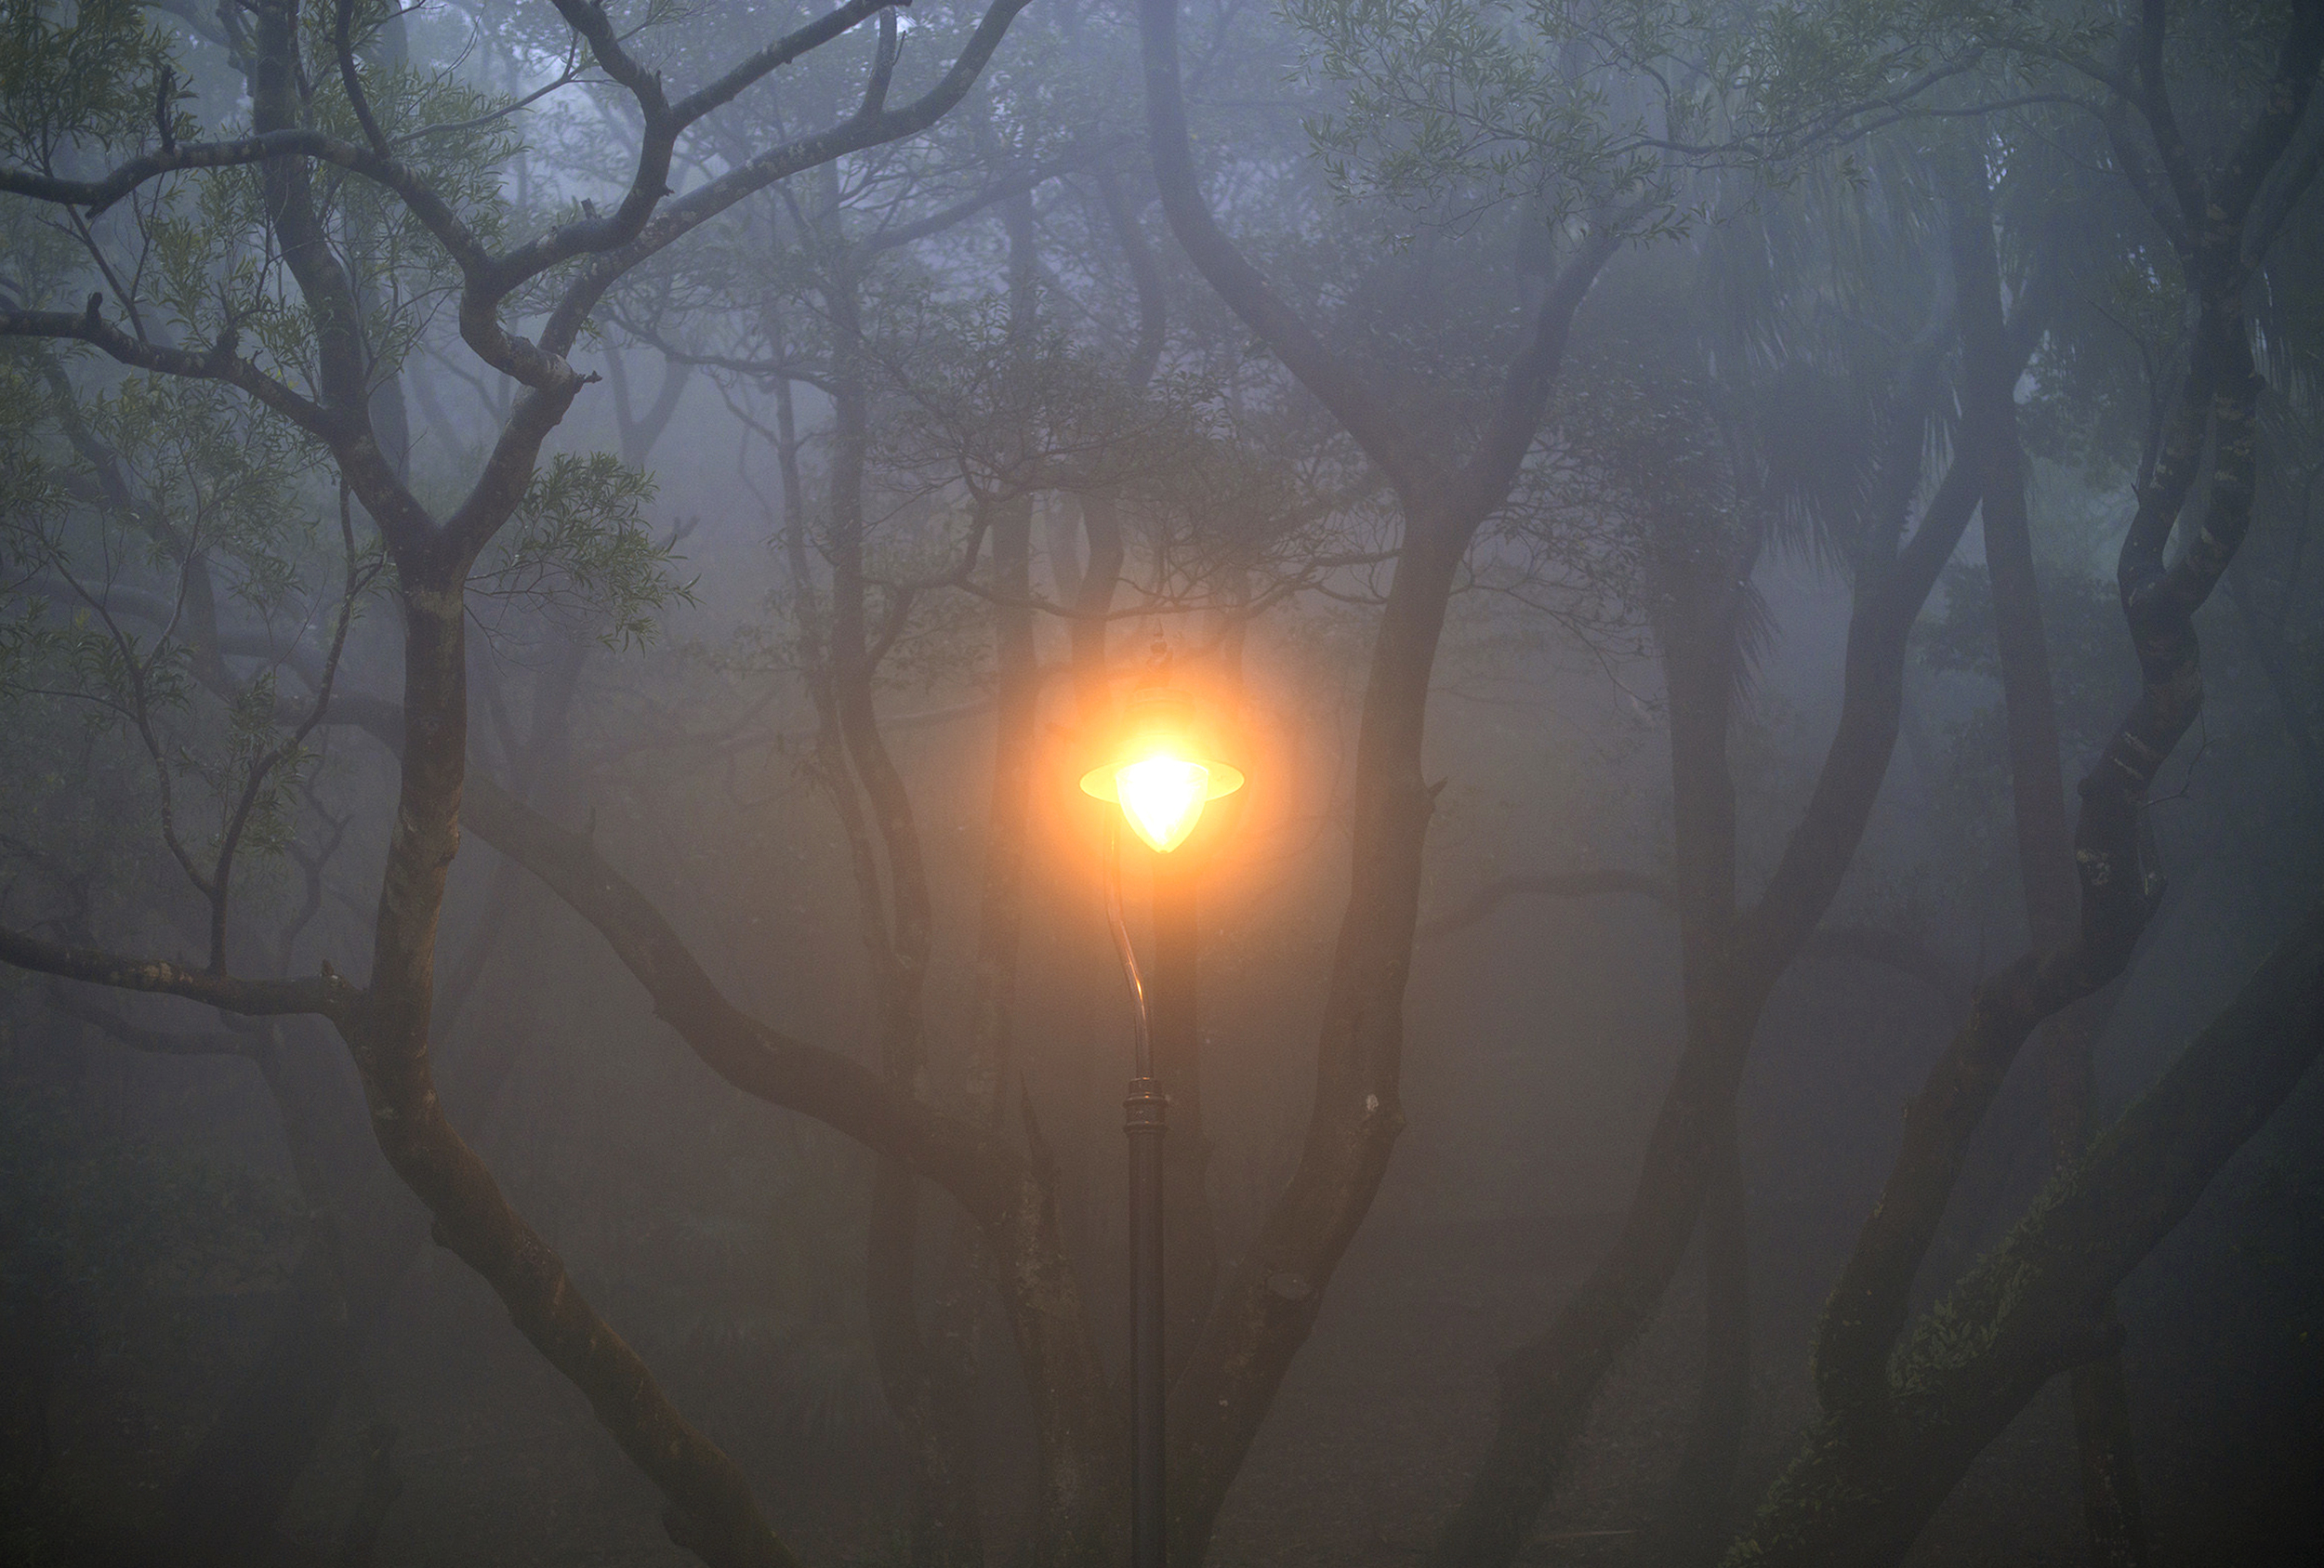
column 1161, row 772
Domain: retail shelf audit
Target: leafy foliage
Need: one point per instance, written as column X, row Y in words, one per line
column 88, row 82
column 580, row 546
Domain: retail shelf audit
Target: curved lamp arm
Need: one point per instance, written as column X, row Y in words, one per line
column 1143, row 1049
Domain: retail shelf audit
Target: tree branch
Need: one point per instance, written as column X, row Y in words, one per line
column 975, row 1167
column 1386, row 438
column 1859, row 1494
column 218, row 362
column 697, row 207
column 327, row 995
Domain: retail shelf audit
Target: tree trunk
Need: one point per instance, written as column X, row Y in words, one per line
column 1731, row 963
column 1692, row 1528
column 1700, row 599
column 1900, row 1422
column 2045, row 850
column 223, row 1505
column 947, row 1527
column 1859, row 1491
column 710, row 1510
column 1268, row 1302
column 386, row 1022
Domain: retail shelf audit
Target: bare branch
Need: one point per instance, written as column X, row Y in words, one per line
column 686, row 212
column 327, row 995
column 342, row 24
column 976, row 1167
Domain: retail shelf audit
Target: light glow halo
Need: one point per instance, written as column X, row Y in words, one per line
column 1162, row 773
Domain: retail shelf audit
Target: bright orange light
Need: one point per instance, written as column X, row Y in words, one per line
column 1155, row 777
column 1162, row 797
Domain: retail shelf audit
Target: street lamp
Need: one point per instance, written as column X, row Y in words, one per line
column 1161, row 775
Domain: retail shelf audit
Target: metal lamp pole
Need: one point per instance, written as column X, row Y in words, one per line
column 1161, row 789
column 1144, row 1119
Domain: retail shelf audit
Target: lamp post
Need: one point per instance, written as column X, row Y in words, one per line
column 1161, row 777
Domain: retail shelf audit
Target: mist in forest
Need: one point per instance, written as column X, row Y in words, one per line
column 578, row 580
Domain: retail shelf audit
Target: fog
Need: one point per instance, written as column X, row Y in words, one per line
column 576, row 579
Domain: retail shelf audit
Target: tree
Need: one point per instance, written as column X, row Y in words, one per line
column 310, row 322
column 1900, row 1419
column 1439, row 98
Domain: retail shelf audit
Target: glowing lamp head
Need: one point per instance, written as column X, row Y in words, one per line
column 1160, row 777
column 1162, row 797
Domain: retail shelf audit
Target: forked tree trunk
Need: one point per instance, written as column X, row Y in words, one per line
column 1268, row 1302
column 225, row 1503
column 1732, row 960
